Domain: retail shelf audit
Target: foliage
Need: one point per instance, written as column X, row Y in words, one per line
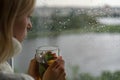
column 108, row 28
column 60, row 23
column 71, row 23
column 57, row 24
column 106, row 75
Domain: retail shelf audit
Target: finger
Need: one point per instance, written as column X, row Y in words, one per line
column 57, row 61
column 54, row 64
column 61, row 62
column 60, row 57
column 33, row 71
column 59, row 69
column 31, row 65
column 62, row 76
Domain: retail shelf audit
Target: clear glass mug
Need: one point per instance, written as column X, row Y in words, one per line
column 45, row 56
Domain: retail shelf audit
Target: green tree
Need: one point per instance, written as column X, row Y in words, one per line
column 106, row 75
column 116, row 75
column 67, row 22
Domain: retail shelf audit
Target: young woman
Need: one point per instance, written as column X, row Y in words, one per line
column 14, row 24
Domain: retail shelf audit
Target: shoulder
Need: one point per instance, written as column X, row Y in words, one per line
column 14, row 76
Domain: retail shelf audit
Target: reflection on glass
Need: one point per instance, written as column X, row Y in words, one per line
column 45, row 56
column 87, row 32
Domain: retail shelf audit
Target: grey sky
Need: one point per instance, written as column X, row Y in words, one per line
column 78, row 2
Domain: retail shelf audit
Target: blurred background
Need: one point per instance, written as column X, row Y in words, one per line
column 87, row 33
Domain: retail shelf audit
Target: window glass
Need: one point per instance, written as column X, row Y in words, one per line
column 87, row 33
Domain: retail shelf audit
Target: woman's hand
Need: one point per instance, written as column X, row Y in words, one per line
column 55, row 71
column 34, row 69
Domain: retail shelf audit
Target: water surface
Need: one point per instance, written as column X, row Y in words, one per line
column 94, row 53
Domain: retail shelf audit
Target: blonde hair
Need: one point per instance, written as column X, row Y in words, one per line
column 9, row 11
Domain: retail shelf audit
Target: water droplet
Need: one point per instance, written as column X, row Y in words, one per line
column 68, row 19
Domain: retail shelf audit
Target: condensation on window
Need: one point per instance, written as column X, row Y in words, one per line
column 88, row 37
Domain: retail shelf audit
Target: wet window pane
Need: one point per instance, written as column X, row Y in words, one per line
column 87, row 33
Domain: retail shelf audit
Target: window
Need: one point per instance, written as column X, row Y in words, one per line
column 87, row 33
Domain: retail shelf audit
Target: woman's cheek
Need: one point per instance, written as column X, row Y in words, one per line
column 24, row 33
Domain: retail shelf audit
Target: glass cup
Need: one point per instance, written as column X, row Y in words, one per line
column 45, row 56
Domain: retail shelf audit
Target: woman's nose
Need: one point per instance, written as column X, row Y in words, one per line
column 29, row 27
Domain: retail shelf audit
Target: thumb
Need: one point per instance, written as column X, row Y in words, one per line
column 33, row 68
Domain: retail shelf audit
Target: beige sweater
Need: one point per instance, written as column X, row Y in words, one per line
column 7, row 73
